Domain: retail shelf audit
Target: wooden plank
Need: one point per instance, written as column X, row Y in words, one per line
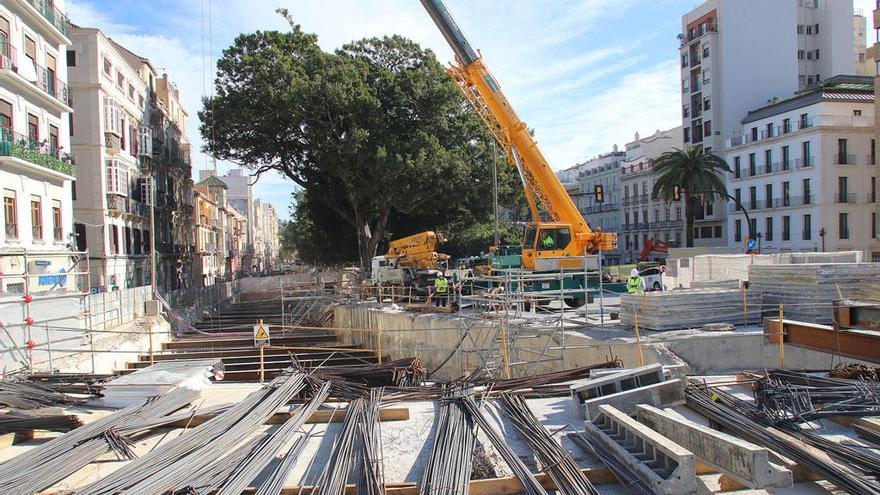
column 322, row 416
column 6, row 440
column 870, row 423
column 852, row 344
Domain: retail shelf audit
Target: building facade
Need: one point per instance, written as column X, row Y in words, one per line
column 863, row 64
column 738, row 54
column 645, row 216
column 209, row 261
column 805, row 168
column 36, row 167
column 605, row 171
column 109, row 133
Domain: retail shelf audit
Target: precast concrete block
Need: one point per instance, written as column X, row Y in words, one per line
column 664, row 394
column 665, row 466
column 745, row 462
column 615, row 382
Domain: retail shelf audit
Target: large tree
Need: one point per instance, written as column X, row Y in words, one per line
column 371, row 132
column 698, row 177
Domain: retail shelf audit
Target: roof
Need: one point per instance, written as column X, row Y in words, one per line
column 857, row 89
column 213, row 181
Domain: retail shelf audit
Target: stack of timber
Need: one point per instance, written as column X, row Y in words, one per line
column 688, row 308
column 806, row 290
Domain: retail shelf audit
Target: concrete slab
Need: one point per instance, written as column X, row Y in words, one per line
column 665, row 466
column 743, row 461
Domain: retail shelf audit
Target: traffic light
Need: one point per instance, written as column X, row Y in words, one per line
column 676, row 193
column 598, row 193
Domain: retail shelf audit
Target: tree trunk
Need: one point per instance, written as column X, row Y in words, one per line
column 688, row 220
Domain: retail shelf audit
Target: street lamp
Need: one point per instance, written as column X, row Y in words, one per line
column 822, row 236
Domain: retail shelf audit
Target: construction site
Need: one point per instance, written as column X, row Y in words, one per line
column 532, row 368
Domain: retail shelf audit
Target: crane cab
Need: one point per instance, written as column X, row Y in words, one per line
column 548, row 240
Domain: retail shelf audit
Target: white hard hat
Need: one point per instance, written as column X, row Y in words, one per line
column 634, row 273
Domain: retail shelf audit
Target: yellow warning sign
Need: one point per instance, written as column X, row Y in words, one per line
column 261, row 335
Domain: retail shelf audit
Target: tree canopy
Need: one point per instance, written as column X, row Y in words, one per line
column 378, row 137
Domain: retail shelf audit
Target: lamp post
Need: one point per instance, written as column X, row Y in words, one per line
column 822, row 236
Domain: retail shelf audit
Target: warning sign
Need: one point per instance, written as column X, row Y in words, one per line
column 261, row 335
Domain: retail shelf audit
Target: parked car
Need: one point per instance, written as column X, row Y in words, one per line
column 653, row 277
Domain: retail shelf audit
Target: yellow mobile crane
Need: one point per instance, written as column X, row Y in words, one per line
column 410, row 261
column 561, row 231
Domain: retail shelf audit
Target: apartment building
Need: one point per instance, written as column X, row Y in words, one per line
column 209, row 261
column 645, row 216
column 109, row 133
column 738, row 54
column 36, row 167
column 805, row 169
column 266, row 245
column 864, row 65
column 603, row 170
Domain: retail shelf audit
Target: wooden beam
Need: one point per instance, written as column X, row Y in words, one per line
column 322, row 416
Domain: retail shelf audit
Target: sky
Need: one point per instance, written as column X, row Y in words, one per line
column 585, row 74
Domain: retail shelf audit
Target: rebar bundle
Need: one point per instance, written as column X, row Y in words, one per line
column 557, row 462
column 449, row 468
column 404, row 372
column 789, row 397
column 15, row 421
column 170, row 466
column 743, row 420
column 530, row 484
column 21, row 394
column 266, row 450
column 45, row 465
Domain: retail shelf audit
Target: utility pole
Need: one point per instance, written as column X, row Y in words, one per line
column 495, row 187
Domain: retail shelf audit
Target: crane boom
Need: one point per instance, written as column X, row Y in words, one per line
column 570, row 235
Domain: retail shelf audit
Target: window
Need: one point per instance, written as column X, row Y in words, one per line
column 687, row 135
column 768, row 192
column 707, row 103
column 30, row 49
column 786, row 228
column 857, row 113
column 873, row 189
column 705, row 76
column 678, row 212
column 808, row 161
column 768, row 229
column 841, row 151
column 873, row 225
column 80, row 231
column 10, row 214
column 786, row 126
column 141, row 103
column 843, row 190
column 4, row 36
column 786, row 193
column 707, row 128
column 626, row 218
column 804, row 121
column 754, row 133
column 800, row 29
column 737, row 193
column 71, row 58
column 126, row 232
column 753, row 198
column 706, row 50
column 737, row 230
column 108, row 68
column 808, row 228
column 33, row 129
column 112, row 117
column 807, row 192
column 122, row 129
column 117, row 178
column 810, row 57
column 37, row 218
column 817, row 58
column 635, row 217
column 873, row 152
column 809, row 80
column 686, row 111
column 53, row 141
column 5, row 115
column 816, row 28
column 120, row 79
column 736, row 165
column 57, row 230
column 706, row 232
column 707, row 150
column 800, row 54
column 717, row 231
column 753, row 227
column 785, row 158
column 843, row 225
column 768, row 161
column 114, row 239
column 684, row 59
column 51, row 84
column 809, row 29
column 553, row 239
column 769, row 129
column 752, row 164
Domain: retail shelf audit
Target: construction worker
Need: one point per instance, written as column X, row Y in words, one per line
column 548, row 242
column 636, row 283
column 441, row 291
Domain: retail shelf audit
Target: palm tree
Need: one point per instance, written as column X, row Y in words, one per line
column 696, row 175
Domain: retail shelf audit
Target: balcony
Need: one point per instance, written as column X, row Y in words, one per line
column 844, row 159
column 845, row 198
column 806, row 162
column 695, row 34
column 36, row 81
column 45, row 15
column 21, row 147
column 127, row 206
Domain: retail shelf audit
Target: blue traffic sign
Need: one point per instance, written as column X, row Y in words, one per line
column 751, row 245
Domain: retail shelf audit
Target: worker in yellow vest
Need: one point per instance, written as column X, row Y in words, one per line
column 441, row 291
column 635, row 283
